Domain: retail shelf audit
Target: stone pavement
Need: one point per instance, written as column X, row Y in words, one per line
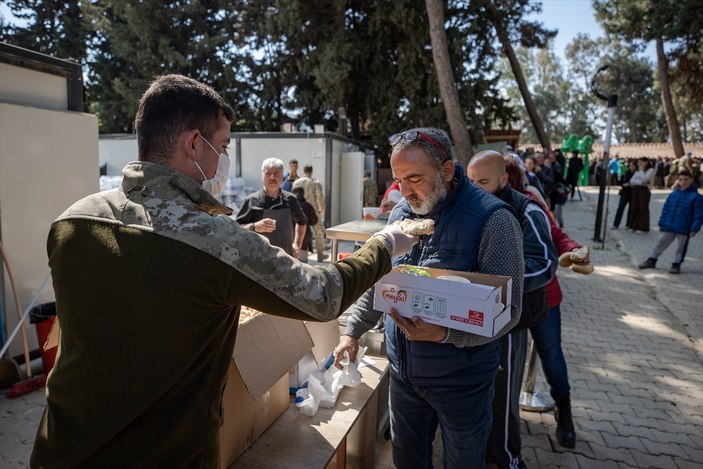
column 632, row 341
column 633, row 344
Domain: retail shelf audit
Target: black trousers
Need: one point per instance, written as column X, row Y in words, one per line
column 505, row 442
column 624, row 201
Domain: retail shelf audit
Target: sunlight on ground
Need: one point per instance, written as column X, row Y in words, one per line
column 650, row 325
column 616, row 271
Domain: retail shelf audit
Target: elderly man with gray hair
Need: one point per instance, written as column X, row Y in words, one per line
column 273, row 212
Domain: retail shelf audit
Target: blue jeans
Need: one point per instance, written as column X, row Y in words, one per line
column 547, row 338
column 463, row 412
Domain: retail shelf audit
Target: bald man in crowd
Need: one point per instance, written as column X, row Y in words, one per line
column 486, row 169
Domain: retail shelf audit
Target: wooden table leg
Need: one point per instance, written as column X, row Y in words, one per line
column 342, row 455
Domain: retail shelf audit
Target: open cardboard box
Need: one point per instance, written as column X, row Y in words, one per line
column 256, row 393
column 325, row 337
column 481, row 307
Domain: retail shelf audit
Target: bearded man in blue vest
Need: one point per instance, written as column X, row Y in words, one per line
column 441, row 376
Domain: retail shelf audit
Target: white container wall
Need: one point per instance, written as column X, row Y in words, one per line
column 48, row 160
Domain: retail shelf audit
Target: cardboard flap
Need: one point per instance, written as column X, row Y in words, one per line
column 325, row 336
column 475, row 290
column 267, row 347
column 54, row 335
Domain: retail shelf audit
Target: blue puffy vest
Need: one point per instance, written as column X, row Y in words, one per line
column 459, row 222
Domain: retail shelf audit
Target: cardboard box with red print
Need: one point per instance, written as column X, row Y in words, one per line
column 471, row 302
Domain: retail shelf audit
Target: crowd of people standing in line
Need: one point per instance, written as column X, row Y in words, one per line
column 682, row 213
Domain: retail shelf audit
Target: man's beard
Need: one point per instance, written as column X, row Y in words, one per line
column 424, row 206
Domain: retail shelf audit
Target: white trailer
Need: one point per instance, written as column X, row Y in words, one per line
column 338, row 163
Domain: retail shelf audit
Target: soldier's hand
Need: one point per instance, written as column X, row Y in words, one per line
column 400, row 241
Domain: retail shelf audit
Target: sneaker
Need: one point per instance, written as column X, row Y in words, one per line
column 614, row 227
column 675, row 268
column 630, row 230
column 648, row 264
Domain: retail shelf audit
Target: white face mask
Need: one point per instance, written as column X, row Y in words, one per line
column 214, row 186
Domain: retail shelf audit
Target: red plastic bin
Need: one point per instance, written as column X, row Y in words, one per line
column 47, row 356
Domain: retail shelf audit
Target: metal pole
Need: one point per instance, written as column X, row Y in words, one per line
column 530, row 399
column 612, row 104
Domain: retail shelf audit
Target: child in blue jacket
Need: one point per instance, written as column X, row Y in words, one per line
column 681, row 218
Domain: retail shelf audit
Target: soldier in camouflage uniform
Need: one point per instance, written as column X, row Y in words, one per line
column 370, row 191
column 149, row 278
column 315, row 194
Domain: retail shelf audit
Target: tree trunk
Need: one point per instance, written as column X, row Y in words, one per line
column 519, row 77
column 671, row 121
column 447, row 87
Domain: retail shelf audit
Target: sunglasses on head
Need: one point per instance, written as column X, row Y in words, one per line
column 411, row 136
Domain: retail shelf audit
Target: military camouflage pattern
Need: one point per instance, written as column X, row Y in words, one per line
column 313, row 192
column 312, row 189
column 162, row 201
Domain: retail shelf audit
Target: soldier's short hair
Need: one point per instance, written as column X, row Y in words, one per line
column 173, row 104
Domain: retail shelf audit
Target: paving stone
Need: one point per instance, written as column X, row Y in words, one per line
column 654, row 461
column 596, row 425
column 604, row 453
column 629, row 430
column 694, row 454
column 589, row 463
column 602, row 416
column 552, row 459
column 668, row 437
column 635, row 421
column 651, row 413
column 628, row 442
column 590, row 436
column 670, row 449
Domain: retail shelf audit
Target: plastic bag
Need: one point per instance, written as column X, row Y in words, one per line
column 325, row 384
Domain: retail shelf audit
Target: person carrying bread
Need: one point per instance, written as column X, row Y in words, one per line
column 487, row 170
column 546, row 334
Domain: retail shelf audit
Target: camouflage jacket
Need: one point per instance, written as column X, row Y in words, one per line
column 149, row 279
column 314, row 193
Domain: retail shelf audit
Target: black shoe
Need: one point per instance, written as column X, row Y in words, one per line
column 648, row 264
column 566, row 435
column 675, row 268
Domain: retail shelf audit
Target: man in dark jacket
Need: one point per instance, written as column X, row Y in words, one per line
column 487, row 170
column 681, row 219
column 273, row 212
column 439, row 375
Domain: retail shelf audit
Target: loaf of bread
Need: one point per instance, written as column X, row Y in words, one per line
column 418, row 227
column 584, row 269
column 579, row 256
